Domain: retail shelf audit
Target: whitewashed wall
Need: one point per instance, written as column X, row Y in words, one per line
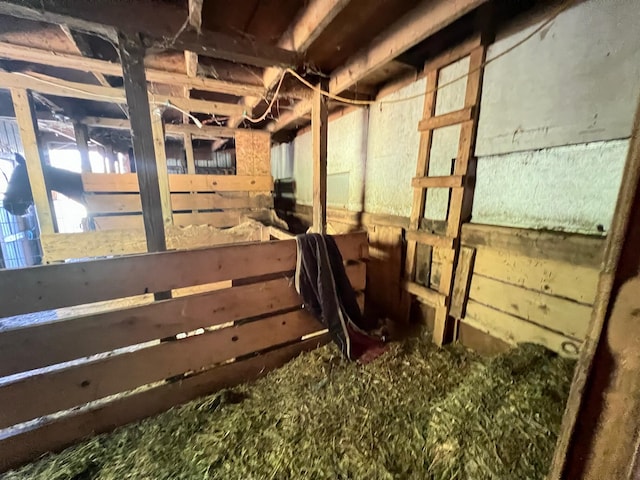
column 555, row 117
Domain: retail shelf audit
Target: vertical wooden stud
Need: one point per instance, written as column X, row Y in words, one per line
column 157, row 127
column 188, row 148
column 319, row 127
column 27, row 124
column 82, row 143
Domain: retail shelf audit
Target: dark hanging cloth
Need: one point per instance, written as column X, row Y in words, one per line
column 322, row 282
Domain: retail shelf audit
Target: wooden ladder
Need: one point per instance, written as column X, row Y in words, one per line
column 461, row 189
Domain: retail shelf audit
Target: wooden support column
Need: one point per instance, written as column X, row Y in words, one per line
column 28, row 126
column 157, row 127
column 82, row 143
column 191, row 159
column 319, row 128
column 599, row 435
column 135, row 84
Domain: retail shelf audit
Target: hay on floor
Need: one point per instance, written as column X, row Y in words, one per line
column 418, row 412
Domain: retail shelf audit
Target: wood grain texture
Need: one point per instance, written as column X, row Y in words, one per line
column 54, row 286
column 62, row 432
column 320, row 128
column 253, row 152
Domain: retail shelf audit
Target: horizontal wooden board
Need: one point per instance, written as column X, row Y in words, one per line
column 220, row 183
column 113, row 203
column 426, row 295
column 119, row 222
column 45, row 344
column 514, row 330
column 552, row 277
column 429, row 239
column 128, row 183
column 554, row 313
column 224, row 219
column 53, row 286
column 63, row 246
column 449, row 181
column 62, row 432
column 83, row 383
column 209, row 201
column 447, row 119
column 575, row 249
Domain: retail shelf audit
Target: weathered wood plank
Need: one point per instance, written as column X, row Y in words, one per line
column 220, row 183
column 62, row 432
column 450, row 181
column 515, row 330
column 157, row 128
column 429, row 239
column 447, row 119
column 86, row 382
column 27, row 124
column 132, row 57
column 554, row 313
column 582, row 250
column 462, row 282
column 54, row 286
column 426, row 295
column 319, row 131
column 215, row 219
column 560, row 279
column 209, row 201
column 49, row 343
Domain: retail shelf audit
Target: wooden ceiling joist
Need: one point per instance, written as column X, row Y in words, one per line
column 423, row 21
column 207, row 132
column 85, row 64
column 303, row 31
column 159, row 23
column 55, row 86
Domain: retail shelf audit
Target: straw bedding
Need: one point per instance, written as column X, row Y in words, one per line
column 418, row 412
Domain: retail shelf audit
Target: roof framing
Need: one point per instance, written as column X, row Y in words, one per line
column 426, row 19
column 162, row 29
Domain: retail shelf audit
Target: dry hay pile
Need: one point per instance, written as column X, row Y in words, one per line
column 418, row 412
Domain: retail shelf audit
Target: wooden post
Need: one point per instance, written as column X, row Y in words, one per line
column 27, row 123
column 82, row 143
column 599, row 436
column 188, row 148
column 157, row 127
column 135, row 84
column 319, row 128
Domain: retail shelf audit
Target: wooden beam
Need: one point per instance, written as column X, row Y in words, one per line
column 191, row 64
column 157, row 128
column 132, row 55
column 452, row 118
column 27, row 124
column 319, row 125
column 82, row 143
column 77, row 62
column 188, row 149
column 108, row 18
column 55, row 86
column 207, row 132
column 450, row 181
column 423, row 21
column 195, row 22
column 307, row 26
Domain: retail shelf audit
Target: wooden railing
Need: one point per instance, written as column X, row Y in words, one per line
column 48, row 367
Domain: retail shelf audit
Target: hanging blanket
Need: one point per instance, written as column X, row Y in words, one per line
column 326, row 292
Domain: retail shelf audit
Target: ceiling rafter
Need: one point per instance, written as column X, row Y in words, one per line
column 427, row 18
column 162, row 30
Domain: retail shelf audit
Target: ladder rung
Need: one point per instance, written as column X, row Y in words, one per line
column 427, row 295
column 451, row 118
column 450, row 181
column 429, row 239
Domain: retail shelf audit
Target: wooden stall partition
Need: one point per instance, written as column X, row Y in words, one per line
column 69, row 372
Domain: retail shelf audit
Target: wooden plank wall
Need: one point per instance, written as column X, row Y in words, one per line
column 525, row 285
column 115, row 352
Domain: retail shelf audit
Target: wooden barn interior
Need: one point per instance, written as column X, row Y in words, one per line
column 477, row 163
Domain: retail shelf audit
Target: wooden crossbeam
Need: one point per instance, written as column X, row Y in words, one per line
column 421, row 22
column 427, row 295
column 206, row 132
column 307, row 26
column 449, row 181
column 447, row 119
column 429, row 239
column 77, row 62
column 106, row 18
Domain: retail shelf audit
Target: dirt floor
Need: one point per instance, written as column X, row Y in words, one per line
column 417, row 412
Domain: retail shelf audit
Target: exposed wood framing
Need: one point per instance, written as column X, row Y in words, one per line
column 426, row 19
column 195, row 22
column 27, row 124
column 308, row 25
column 82, row 143
column 207, row 132
column 77, row 62
column 132, row 55
column 55, row 86
column 188, row 149
column 106, row 19
column 320, row 127
column 157, row 127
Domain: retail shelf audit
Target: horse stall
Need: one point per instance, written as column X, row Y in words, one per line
column 323, row 239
